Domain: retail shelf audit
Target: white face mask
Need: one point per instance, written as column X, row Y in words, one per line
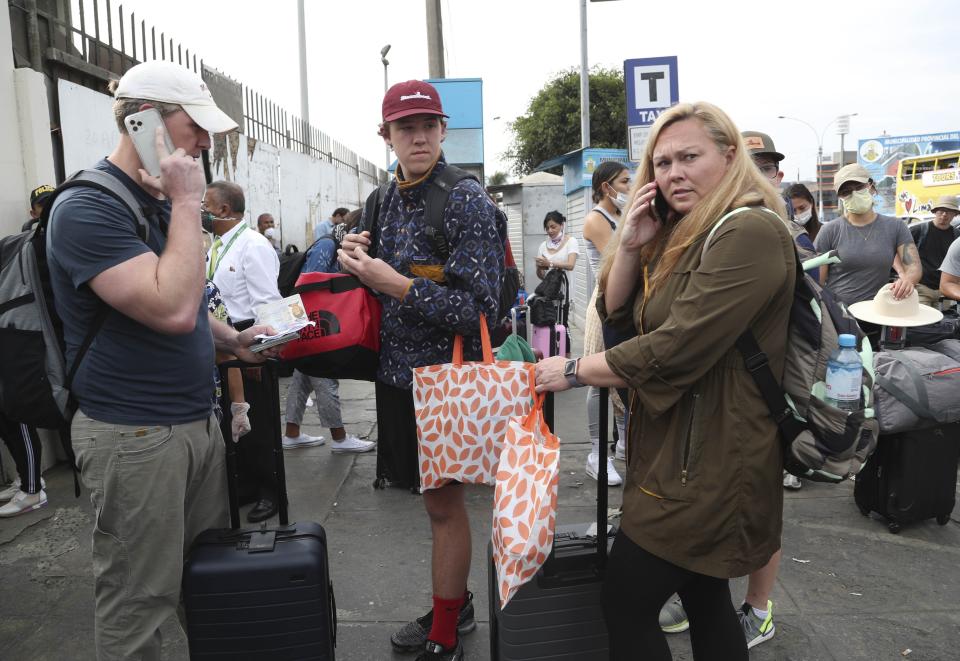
column 620, row 201
column 860, row 201
column 804, row 217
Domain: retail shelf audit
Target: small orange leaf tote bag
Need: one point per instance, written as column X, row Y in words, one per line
column 525, row 501
column 462, row 411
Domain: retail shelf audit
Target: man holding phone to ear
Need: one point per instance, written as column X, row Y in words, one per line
column 148, row 446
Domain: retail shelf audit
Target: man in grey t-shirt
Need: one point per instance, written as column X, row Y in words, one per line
column 950, row 272
column 867, row 243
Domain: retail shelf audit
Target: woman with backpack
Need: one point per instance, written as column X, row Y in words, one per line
column 701, row 436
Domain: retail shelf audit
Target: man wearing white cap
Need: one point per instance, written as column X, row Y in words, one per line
column 147, row 444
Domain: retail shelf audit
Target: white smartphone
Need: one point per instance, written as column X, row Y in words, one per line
column 142, row 129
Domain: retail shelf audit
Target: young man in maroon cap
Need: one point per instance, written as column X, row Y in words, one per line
column 427, row 299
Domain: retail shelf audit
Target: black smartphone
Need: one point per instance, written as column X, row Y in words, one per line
column 659, row 208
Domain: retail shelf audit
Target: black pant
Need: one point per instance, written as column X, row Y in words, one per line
column 24, row 444
column 637, row 585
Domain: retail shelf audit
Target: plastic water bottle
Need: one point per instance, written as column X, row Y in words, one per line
column 844, row 375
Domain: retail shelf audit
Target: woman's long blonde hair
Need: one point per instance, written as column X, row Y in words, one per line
column 742, row 185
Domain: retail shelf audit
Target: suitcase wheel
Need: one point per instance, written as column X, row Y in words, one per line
column 894, row 527
column 943, row 519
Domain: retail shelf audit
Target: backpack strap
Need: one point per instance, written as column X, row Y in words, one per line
column 110, row 185
column 436, row 204
column 731, row 214
column 371, row 217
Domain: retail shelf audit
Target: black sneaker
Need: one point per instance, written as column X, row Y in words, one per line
column 436, row 652
column 412, row 636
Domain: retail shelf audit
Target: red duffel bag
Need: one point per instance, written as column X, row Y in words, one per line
column 344, row 342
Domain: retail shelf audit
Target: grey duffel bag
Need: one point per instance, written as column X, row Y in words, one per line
column 918, row 387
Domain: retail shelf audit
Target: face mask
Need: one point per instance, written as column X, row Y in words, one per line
column 860, row 201
column 620, row 201
column 803, row 218
column 206, row 221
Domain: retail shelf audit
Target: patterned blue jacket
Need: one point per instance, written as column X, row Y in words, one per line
column 419, row 329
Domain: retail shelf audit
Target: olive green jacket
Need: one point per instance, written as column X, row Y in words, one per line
column 703, row 488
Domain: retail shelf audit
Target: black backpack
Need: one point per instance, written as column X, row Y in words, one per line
column 34, row 377
column 434, row 206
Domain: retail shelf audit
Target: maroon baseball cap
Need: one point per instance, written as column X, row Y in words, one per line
column 411, row 97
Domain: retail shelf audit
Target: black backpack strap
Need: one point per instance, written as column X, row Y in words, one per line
column 759, row 367
column 436, row 204
column 371, row 217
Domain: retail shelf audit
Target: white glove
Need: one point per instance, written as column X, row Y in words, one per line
column 240, row 423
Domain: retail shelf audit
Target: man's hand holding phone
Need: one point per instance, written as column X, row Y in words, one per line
column 181, row 176
column 642, row 221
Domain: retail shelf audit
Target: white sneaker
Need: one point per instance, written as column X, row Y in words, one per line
column 791, row 481
column 309, row 403
column 352, row 444
column 621, row 452
column 593, row 467
column 301, row 441
column 14, row 488
column 24, row 502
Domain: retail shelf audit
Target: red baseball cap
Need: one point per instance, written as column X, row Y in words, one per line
column 411, row 97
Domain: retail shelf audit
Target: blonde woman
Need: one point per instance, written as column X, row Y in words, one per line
column 702, row 501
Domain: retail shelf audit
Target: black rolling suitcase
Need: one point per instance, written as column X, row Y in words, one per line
column 911, row 476
column 260, row 593
column 557, row 615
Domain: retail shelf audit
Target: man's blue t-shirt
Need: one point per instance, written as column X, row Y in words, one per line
column 131, row 374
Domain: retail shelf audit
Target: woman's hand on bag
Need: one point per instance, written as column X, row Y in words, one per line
column 374, row 273
column 549, row 375
column 641, row 224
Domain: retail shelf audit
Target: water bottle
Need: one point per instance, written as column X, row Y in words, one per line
column 844, row 375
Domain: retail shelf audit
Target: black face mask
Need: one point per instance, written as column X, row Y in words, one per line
column 206, row 221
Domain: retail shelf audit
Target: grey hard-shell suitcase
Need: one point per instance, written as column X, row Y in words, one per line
column 557, row 616
column 260, row 593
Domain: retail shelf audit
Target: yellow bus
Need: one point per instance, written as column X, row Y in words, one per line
column 922, row 179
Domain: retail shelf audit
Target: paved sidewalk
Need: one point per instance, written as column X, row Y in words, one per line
column 848, row 589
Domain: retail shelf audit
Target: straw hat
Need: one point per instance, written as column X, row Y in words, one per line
column 885, row 310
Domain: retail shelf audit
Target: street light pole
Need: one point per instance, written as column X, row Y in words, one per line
column 845, row 122
column 386, row 63
column 584, row 80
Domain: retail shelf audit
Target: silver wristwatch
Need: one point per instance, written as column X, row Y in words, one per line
column 570, row 372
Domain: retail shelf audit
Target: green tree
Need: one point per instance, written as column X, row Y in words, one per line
column 551, row 125
column 497, row 179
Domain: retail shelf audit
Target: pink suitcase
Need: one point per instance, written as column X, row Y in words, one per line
column 541, row 340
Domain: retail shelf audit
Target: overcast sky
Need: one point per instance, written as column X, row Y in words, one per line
column 897, row 64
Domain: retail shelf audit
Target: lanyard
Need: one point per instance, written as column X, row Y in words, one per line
column 214, row 265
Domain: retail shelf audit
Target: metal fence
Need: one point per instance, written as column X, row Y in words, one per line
column 92, row 41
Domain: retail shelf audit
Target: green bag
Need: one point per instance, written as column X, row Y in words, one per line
column 516, row 348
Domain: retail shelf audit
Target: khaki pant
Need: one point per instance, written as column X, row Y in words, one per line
column 928, row 296
column 154, row 489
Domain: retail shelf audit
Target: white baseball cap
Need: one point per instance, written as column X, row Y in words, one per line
column 167, row 82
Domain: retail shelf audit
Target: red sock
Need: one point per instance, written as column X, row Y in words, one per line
column 445, row 614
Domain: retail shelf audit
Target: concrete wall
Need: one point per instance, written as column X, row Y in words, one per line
column 26, row 159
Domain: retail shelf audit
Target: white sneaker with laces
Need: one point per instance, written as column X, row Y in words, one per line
column 14, row 488
column 593, row 468
column 301, row 441
column 352, row 444
column 24, row 502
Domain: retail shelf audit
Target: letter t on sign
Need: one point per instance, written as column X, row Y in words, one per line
column 652, row 77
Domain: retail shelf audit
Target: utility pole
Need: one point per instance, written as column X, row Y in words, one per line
column 434, row 39
column 304, row 104
column 584, row 80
